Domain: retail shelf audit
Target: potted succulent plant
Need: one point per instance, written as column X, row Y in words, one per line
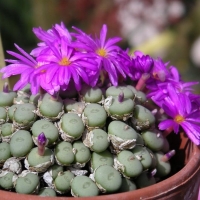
column 88, row 120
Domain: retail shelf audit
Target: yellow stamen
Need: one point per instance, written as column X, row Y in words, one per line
column 64, row 62
column 101, row 52
column 178, row 119
column 43, row 71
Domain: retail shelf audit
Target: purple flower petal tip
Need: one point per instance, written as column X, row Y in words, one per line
column 42, row 139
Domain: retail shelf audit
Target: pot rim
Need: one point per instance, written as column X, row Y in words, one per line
column 158, row 190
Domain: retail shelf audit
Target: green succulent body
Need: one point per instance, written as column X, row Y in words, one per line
column 27, row 184
column 6, row 181
column 6, row 99
column 88, row 149
column 115, row 91
column 5, row 152
column 21, row 143
column 83, row 186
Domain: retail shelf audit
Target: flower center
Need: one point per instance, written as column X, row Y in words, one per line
column 101, row 52
column 178, row 119
column 43, row 71
column 64, row 62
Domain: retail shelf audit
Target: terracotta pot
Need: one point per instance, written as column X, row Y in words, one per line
column 183, row 183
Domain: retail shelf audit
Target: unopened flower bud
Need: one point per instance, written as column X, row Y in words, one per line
column 152, row 172
column 168, row 156
column 121, row 97
column 154, row 111
column 5, row 87
column 41, row 142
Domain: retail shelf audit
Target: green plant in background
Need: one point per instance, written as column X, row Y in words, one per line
column 16, row 23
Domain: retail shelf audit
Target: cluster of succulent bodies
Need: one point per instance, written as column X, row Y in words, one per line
column 85, row 111
column 82, row 144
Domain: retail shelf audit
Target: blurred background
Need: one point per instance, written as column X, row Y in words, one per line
column 161, row 28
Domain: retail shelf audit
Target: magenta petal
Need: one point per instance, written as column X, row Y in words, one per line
column 87, row 65
column 42, row 34
column 22, row 58
column 19, row 85
column 13, row 61
column 76, row 78
column 66, row 51
column 170, row 109
column 165, row 124
column 193, row 132
column 50, row 72
column 82, row 74
column 193, row 120
column 26, row 54
column 174, row 72
column 109, row 67
column 112, row 41
column 138, row 53
column 55, row 79
column 93, row 79
column 185, row 104
column 14, row 69
column 103, row 35
column 67, row 76
column 61, row 73
column 188, row 84
column 81, row 56
column 173, row 95
column 35, row 87
column 119, row 68
column 112, row 50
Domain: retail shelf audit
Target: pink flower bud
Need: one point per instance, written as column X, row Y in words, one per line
column 168, row 156
column 41, row 142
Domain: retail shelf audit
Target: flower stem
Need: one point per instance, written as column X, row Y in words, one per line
column 121, row 97
column 142, row 81
column 41, row 150
column 41, row 92
column 167, row 131
column 54, row 97
column 41, row 142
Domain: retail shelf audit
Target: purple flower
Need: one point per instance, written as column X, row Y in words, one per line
column 25, row 65
column 141, row 64
column 51, row 35
column 175, row 79
column 65, row 63
column 159, row 70
column 159, row 90
column 109, row 57
column 179, row 108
